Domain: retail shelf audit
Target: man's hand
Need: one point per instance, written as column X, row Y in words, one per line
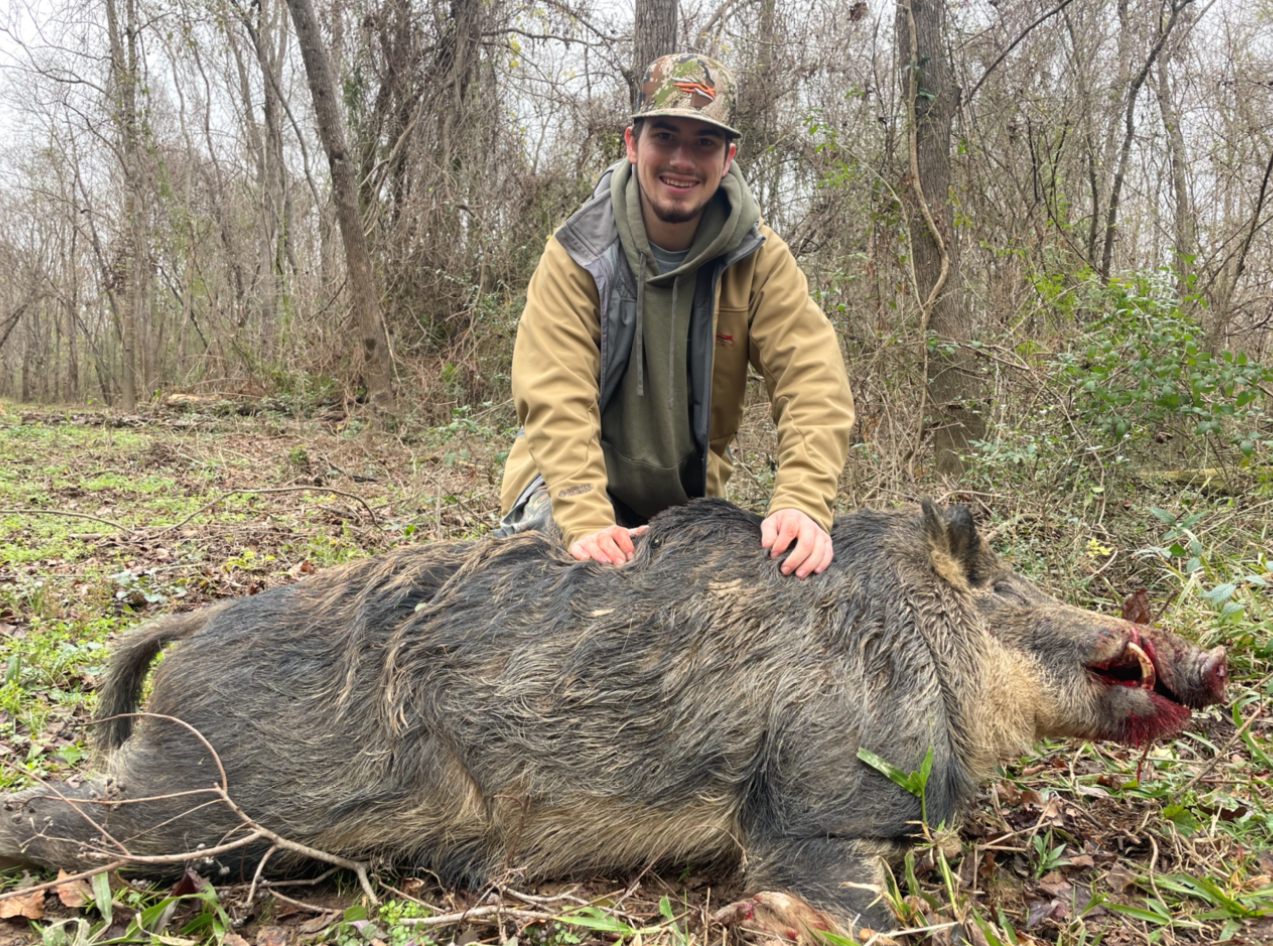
column 812, row 553
column 612, row 545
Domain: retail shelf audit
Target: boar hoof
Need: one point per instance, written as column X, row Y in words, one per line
column 779, row 914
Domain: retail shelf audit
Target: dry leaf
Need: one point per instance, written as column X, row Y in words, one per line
column 74, row 894
column 1054, row 885
column 1120, row 878
column 31, row 906
column 1082, row 860
column 1136, row 608
column 233, row 939
column 318, row 923
column 271, row 936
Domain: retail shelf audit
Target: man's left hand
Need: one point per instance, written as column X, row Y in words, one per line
column 813, row 551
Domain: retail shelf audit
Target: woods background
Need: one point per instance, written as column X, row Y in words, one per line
column 169, row 224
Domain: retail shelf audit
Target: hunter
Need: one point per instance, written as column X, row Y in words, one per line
column 649, row 303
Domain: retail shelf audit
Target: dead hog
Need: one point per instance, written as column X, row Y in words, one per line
column 470, row 708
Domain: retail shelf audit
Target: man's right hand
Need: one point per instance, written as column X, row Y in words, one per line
column 612, row 545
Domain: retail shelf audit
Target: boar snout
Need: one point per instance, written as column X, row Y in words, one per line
column 1155, row 678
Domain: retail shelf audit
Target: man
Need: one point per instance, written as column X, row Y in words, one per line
column 630, row 366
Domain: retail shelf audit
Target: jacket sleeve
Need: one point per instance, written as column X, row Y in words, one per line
column 556, row 362
column 794, row 346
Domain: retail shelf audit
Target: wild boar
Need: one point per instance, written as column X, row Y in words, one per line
column 470, row 708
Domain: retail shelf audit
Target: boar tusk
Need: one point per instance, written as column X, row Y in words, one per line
column 1148, row 676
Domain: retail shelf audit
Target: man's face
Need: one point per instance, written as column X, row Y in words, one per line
column 679, row 163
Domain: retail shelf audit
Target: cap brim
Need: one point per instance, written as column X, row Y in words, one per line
column 686, row 113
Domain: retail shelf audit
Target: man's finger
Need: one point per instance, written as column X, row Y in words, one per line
column 623, row 539
column 768, row 532
column 804, row 548
column 818, row 543
column 788, row 529
column 609, row 549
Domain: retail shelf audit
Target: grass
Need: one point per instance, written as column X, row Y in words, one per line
column 1075, row 844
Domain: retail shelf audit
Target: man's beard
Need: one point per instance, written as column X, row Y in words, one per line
column 672, row 213
column 675, row 214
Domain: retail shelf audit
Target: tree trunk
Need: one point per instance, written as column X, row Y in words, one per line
column 653, row 35
column 1183, row 224
column 363, row 291
column 1124, row 155
column 123, row 51
column 928, row 88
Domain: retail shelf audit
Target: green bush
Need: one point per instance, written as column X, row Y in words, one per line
column 1142, row 367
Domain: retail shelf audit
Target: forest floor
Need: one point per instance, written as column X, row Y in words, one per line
column 106, row 521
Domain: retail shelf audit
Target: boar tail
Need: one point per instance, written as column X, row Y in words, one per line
column 130, row 662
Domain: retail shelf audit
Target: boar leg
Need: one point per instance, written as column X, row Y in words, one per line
column 833, row 884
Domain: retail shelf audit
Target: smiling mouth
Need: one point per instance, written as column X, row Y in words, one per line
column 678, row 184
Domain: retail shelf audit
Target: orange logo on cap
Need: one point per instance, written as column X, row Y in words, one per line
column 688, row 85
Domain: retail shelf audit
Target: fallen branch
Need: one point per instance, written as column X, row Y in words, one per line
column 448, row 919
column 270, row 489
column 255, row 831
column 49, row 885
column 60, row 512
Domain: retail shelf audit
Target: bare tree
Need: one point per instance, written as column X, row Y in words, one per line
column 930, row 95
column 363, row 292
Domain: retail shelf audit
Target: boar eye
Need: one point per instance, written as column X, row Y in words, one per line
column 1006, row 590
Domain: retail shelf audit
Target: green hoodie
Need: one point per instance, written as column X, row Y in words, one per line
column 652, row 459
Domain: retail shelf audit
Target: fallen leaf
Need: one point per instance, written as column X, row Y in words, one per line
column 271, row 936
column 189, row 883
column 31, row 906
column 1054, row 885
column 301, row 568
column 1052, row 811
column 1120, row 878
column 74, row 894
column 1007, row 793
column 1136, row 608
column 1082, row 860
column 233, row 939
column 318, row 923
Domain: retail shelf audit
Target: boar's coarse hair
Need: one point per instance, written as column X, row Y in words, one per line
column 476, row 707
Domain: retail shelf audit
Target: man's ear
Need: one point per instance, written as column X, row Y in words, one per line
column 729, row 156
column 629, row 139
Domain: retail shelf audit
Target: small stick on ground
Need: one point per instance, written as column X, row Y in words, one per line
column 268, row 489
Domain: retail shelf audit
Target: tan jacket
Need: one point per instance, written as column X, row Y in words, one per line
column 764, row 316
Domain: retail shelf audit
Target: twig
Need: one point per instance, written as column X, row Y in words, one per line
column 49, row 885
column 300, row 903
column 60, row 512
column 1233, row 740
column 269, row 489
column 545, row 901
column 256, row 877
column 257, row 832
column 448, row 919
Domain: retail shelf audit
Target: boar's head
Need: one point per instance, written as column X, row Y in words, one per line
column 1078, row 672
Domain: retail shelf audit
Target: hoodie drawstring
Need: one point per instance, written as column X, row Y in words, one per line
column 638, row 342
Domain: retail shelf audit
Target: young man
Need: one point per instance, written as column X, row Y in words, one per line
column 630, row 366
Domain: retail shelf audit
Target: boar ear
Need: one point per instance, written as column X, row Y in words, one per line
column 964, row 543
column 954, row 534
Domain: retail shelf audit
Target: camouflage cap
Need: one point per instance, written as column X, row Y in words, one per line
column 688, row 85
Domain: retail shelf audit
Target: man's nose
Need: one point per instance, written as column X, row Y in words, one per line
column 683, row 155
